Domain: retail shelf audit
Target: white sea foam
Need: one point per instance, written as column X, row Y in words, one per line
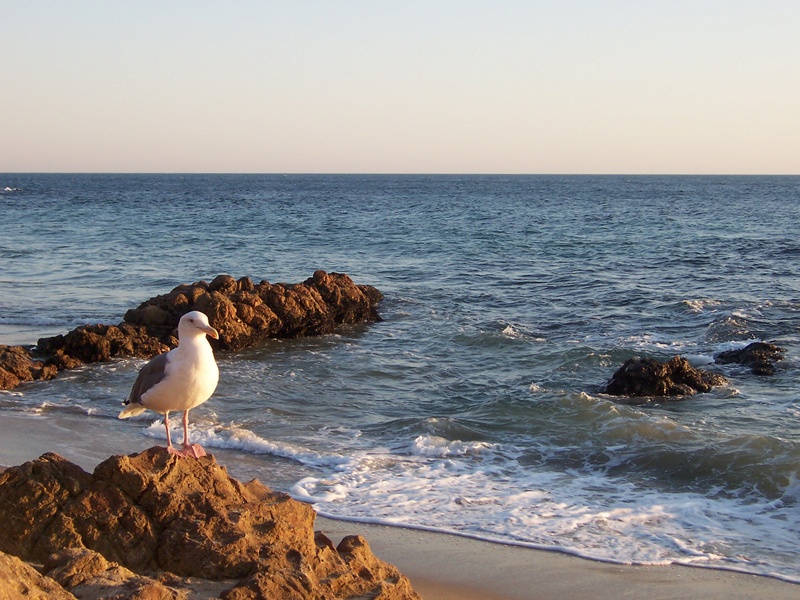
column 651, row 341
column 791, row 494
column 747, row 313
column 701, row 304
column 734, row 345
column 432, row 445
column 699, row 360
column 510, row 331
column 519, row 333
column 234, row 438
column 582, row 512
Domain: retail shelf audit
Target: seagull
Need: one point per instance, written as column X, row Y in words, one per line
column 181, row 379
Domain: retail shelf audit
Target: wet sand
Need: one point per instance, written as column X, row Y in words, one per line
column 448, row 567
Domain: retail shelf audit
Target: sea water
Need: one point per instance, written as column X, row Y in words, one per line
column 475, row 406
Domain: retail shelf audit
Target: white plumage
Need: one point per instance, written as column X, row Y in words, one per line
column 179, row 380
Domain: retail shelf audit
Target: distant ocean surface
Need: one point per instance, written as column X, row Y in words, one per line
column 474, row 407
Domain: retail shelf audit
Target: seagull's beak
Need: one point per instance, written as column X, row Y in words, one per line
column 211, row 331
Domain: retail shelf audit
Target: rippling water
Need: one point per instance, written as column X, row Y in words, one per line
column 474, row 407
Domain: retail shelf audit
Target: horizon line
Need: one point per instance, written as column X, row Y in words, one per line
column 398, row 173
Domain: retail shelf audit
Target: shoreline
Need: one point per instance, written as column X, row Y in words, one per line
column 444, row 566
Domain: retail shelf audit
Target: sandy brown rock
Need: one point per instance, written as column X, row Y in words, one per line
column 20, row 581
column 649, row 377
column 18, row 366
column 349, row 570
column 31, row 497
column 244, row 313
column 99, row 343
column 154, row 512
column 89, row 576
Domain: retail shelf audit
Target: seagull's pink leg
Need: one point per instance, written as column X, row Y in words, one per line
column 195, row 450
column 170, row 448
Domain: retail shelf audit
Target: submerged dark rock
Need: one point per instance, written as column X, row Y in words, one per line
column 759, row 356
column 650, row 377
column 244, row 313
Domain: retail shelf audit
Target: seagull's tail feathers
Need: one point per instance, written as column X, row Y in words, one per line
column 131, row 410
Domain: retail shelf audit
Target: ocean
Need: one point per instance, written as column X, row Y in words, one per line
column 475, row 406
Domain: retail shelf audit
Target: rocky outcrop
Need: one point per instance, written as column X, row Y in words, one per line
column 20, row 581
column 649, row 377
column 759, row 356
column 244, row 313
column 18, row 366
column 141, row 524
column 87, row 574
column 98, row 343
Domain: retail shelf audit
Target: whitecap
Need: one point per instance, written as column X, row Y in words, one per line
column 734, row 345
column 432, row 445
column 701, row 304
column 650, row 341
column 699, row 360
column 234, row 438
column 520, row 333
column 510, row 331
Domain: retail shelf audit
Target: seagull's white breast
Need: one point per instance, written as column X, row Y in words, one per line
column 191, row 376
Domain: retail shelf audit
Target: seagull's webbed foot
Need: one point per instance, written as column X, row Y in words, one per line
column 173, row 450
column 195, row 450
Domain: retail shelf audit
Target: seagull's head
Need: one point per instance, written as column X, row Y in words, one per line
column 196, row 323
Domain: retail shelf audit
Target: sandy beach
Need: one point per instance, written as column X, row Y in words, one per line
column 447, row 567
column 441, row 566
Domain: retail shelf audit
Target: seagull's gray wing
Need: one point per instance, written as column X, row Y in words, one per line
column 150, row 375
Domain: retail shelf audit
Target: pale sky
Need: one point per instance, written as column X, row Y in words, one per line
column 371, row 86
